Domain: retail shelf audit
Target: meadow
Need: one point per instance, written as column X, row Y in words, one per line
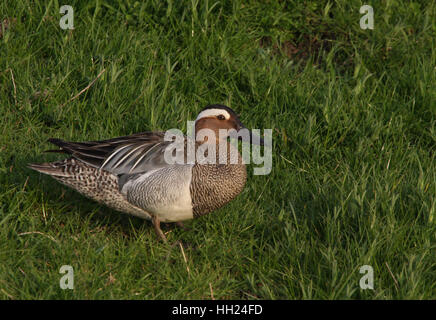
column 353, row 180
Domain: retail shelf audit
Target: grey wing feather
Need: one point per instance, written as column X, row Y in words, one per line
column 136, row 157
column 126, row 155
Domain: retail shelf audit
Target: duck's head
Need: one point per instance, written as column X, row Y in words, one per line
column 215, row 117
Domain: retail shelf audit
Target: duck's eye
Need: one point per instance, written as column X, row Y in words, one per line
column 221, row 117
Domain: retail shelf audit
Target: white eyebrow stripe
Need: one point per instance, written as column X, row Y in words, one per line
column 213, row 112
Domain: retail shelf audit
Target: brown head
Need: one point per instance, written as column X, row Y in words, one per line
column 215, row 117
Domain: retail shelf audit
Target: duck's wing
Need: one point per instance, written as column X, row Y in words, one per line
column 132, row 154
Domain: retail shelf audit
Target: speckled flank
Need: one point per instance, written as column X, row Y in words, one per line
column 93, row 183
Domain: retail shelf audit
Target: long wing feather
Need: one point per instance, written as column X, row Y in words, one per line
column 132, row 154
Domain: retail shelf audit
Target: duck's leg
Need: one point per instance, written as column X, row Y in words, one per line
column 156, row 224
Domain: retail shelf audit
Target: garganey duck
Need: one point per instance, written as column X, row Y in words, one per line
column 130, row 174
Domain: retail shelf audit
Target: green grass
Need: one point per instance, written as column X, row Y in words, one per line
column 353, row 118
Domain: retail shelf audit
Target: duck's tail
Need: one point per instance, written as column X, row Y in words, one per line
column 56, row 169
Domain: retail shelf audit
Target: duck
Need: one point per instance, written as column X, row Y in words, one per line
column 131, row 174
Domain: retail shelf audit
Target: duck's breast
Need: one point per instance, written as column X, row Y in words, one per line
column 213, row 186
